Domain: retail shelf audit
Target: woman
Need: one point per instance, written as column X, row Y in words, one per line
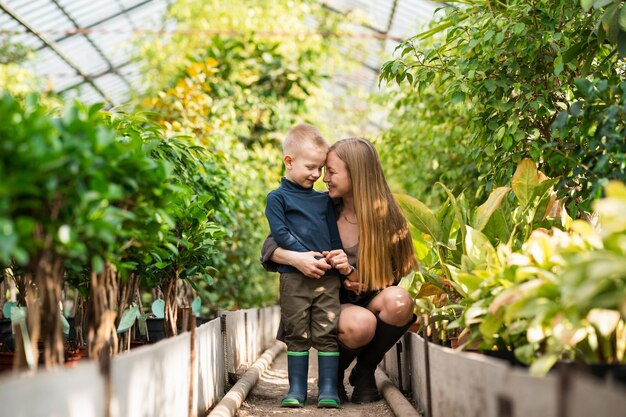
column 378, row 248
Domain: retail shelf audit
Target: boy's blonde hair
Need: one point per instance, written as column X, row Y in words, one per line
column 385, row 245
column 302, row 135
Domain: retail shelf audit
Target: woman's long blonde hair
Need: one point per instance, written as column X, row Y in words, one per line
column 385, row 244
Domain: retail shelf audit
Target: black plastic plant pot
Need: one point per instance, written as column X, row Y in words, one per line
column 201, row 320
column 6, row 336
column 156, row 330
column 608, row 372
column 72, row 333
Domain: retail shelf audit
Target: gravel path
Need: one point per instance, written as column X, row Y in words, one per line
column 264, row 400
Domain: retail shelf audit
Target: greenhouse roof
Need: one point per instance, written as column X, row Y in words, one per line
column 82, row 46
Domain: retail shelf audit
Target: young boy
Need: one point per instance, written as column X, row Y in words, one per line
column 302, row 219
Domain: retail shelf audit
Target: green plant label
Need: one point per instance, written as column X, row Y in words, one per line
column 65, row 326
column 128, row 318
column 142, row 323
column 158, row 308
column 196, row 305
column 6, row 310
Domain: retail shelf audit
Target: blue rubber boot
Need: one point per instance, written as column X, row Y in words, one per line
column 298, row 369
column 327, row 379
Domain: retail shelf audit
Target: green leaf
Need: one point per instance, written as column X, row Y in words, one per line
column 598, row 4
column 97, row 264
column 419, row 215
column 621, row 42
column 499, row 227
column 542, row 365
column 158, row 308
column 445, row 217
column 610, row 22
column 489, row 327
column 436, row 29
column 586, row 4
column 483, row 212
column 526, row 353
column 428, row 289
column 622, row 18
column 457, row 210
column 172, row 248
column 558, row 65
column 529, row 306
column 573, row 51
column 542, row 198
column 468, row 282
column 457, row 97
column 525, row 179
column 477, row 247
column 585, row 87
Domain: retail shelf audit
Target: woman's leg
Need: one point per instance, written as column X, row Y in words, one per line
column 356, row 326
column 393, row 305
column 356, row 329
column 393, row 309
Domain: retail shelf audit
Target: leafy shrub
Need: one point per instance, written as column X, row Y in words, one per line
column 518, row 80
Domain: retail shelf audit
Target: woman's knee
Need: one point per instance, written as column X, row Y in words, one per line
column 357, row 326
column 397, row 306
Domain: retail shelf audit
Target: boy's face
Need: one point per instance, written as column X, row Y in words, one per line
column 305, row 166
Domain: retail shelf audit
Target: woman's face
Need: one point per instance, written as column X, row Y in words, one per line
column 337, row 178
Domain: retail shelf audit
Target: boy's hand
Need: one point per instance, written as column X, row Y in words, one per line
column 311, row 264
column 338, row 259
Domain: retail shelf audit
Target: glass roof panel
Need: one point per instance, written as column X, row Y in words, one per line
column 115, row 87
column 97, row 10
column 82, row 46
column 58, row 74
column 81, row 52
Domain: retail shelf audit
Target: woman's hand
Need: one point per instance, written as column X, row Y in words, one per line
column 338, row 259
column 312, row 264
column 353, row 286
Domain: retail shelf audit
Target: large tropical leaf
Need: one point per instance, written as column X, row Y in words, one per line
column 485, row 211
column 541, row 197
column 427, row 289
column 419, row 215
column 457, row 209
column 499, row 227
column 478, row 248
column 445, row 216
column 525, row 179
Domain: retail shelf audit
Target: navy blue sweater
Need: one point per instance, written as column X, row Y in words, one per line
column 302, row 220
